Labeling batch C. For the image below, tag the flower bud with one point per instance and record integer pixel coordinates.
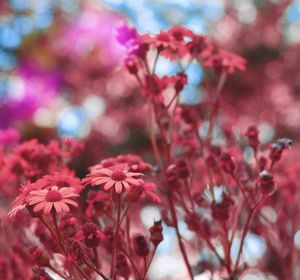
(141, 247)
(92, 236)
(228, 163)
(172, 176)
(181, 81)
(68, 226)
(182, 169)
(221, 210)
(275, 152)
(40, 257)
(156, 233)
(188, 115)
(193, 221)
(262, 163)
(135, 193)
(198, 198)
(252, 136)
(266, 183)
(285, 143)
(131, 66)
(278, 147)
(73, 249)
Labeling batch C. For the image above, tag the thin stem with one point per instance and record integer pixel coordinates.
(56, 226)
(115, 239)
(241, 189)
(48, 227)
(187, 188)
(95, 251)
(227, 248)
(128, 234)
(212, 247)
(181, 245)
(124, 215)
(172, 100)
(136, 271)
(149, 263)
(145, 263)
(214, 105)
(90, 265)
(245, 231)
(153, 139)
(180, 197)
(81, 271)
(155, 62)
(56, 237)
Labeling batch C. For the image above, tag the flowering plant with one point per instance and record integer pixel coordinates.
(83, 228)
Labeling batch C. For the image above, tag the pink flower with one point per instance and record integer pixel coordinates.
(226, 61)
(143, 190)
(60, 180)
(116, 179)
(53, 198)
(20, 201)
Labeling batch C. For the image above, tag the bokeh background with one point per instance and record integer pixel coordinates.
(62, 74)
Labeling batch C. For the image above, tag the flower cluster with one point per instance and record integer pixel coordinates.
(222, 183)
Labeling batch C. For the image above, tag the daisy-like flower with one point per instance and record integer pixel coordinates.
(145, 189)
(53, 198)
(226, 61)
(20, 201)
(111, 178)
(61, 180)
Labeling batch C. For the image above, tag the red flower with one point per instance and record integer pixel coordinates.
(53, 198)
(227, 62)
(252, 135)
(143, 190)
(116, 179)
(61, 181)
(266, 183)
(20, 201)
(199, 47)
(178, 33)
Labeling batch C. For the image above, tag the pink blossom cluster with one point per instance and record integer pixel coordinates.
(82, 228)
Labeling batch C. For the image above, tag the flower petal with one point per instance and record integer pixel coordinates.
(69, 201)
(35, 199)
(133, 181)
(105, 171)
(39, 207)
(65, 207)
(118, 187)
(57, 206)
(108, 185)
(101, 181)
(133, 174)
(126, 185)
(48, 208)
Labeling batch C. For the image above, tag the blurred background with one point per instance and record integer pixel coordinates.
(62, 74)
